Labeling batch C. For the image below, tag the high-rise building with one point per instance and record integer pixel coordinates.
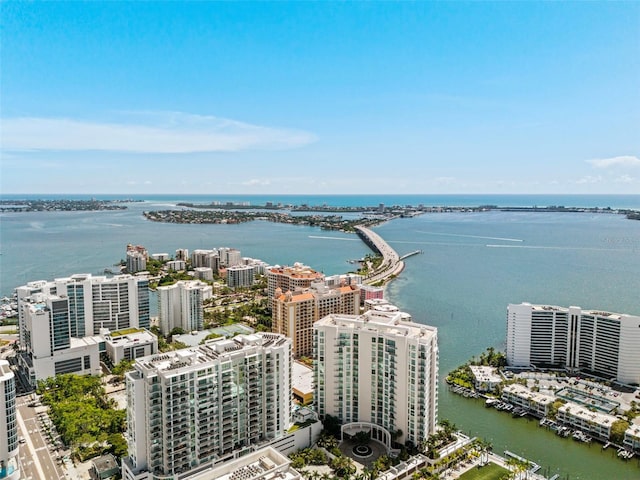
(136, 261)
(49, 348)
(182, 254)
(229, 257)
(369, 292)
(206, 258)
(595, 342)
(181, 305)
(240, 276)
(378, 368)
(290, 278)
(9, 468)
(59, 318)
(294, 313)
(198, 406)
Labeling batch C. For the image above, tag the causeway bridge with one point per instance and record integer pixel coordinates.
(391, 264)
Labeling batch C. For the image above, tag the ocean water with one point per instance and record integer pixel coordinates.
(472, 266)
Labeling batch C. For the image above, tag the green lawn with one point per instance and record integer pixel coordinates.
(490, 471)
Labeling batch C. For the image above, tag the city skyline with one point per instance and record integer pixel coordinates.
(324, 98)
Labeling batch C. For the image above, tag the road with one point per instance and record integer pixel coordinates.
(391, 264)
(37, 456)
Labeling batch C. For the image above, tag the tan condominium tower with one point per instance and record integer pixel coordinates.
(294, 313)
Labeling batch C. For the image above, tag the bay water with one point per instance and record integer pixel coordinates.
(472, 266)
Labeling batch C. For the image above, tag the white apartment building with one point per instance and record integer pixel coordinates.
(239, 276)
(205, 258)
(191, 408)
(632, 437)
(182, 254)
(259, 266)
(343, 279)
(130, 344)
(9, 467)
(229, 257)
(98, 302)
(181, 305)
(25, 291)
(380, 369)
(49, 348)
(162, 257)
(177, 265)
(593, 423)
(136, 261)
(485, 378)
(600, 343)
(535, 402)
(290, 278)
(294, 313)
(204, 273)
(58, 320)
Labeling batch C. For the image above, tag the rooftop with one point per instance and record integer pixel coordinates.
(583, 413)
(263, 464)
(301, 377)
(523, 392)
(395, 323)
(211, 351)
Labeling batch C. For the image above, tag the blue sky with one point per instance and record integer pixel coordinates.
(320, 97)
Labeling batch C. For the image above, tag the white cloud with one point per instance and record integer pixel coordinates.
(163, 132)
(256, 182)
(445, 180)
(588, 179)
(621, 161)
(625, 179)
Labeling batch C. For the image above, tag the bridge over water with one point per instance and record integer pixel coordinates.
(391, 264)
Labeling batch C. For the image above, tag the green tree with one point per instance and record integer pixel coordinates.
(618, 428)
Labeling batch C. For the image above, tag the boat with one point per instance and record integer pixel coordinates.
(490, 401)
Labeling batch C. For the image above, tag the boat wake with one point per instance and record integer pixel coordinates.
(471, 236)
(335, 238)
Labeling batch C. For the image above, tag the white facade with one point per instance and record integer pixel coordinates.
(344, 279)
(58, 319)
(97, 302)
(9, 468)
(182, 254)
(596, 342)
(485, 378)
(177, 265)
(181, 305)
(129, 345)
(205, 258)
(204, 273)
(198, 405)
(535, 402)
(240, 276)
(229, 257)
(379, 368)
(49, 348)
(593, 423)
(632, 437)
(290, 278)
(136, 262)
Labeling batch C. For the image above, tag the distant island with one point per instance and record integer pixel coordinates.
(60, 205)
(325, 222)
(230, 212)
